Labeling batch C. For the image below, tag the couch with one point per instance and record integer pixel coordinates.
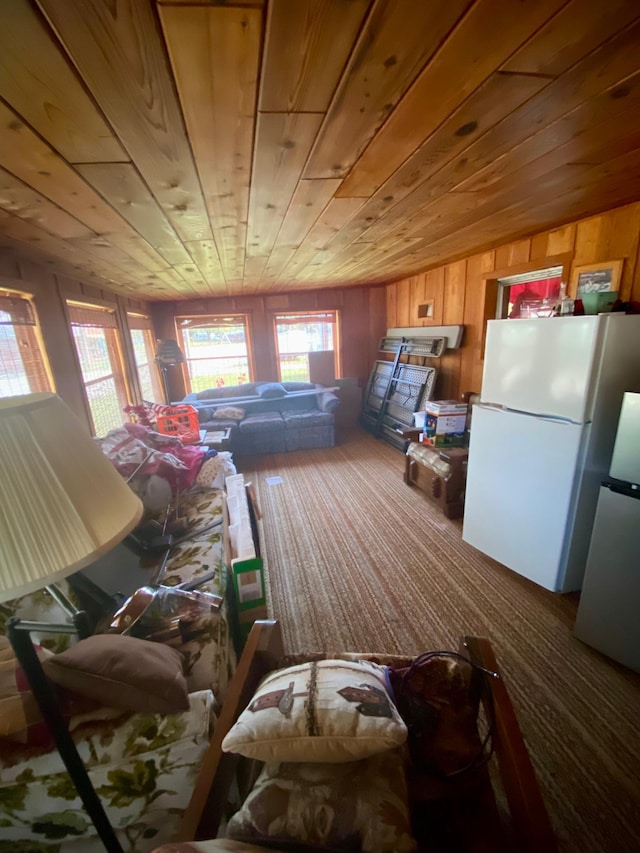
(269, 417)
(143, 765)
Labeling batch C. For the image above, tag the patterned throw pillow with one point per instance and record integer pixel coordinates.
(227, 413)
(357, 805)
(323, 711)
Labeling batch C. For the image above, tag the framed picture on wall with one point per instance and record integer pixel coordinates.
(596, 278)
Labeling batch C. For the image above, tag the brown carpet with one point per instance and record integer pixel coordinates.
(359, 561)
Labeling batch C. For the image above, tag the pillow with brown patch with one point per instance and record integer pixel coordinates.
(354, 805)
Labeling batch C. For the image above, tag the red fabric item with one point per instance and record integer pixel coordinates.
(131, 444)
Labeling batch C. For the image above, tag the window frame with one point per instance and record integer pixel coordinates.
(28, 336)
(216, 320)
(532, 277)
(138, 322)
(295, 318)
(113, 341)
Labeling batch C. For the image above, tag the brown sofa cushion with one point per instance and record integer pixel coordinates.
(123, 672)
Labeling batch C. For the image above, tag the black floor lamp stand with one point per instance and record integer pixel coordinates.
(165, 384)
(18, 633)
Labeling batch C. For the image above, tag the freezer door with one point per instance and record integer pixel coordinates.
(522, 478)
(542, 366)
(625, 462)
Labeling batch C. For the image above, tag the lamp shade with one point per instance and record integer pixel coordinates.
(168, 353)
(62, 502)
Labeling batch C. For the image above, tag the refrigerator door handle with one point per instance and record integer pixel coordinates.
(495, 407)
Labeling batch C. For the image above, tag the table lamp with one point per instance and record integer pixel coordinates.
(62, 505)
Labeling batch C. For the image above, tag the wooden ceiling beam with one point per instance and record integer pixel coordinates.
(385, 61)
(308, 44)
(486, 36)
(217, 81)
(118, 51)
(40, 84)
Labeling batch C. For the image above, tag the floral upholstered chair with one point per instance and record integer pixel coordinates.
(142, 765)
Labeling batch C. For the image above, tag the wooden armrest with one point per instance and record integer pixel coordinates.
(203, 814)
(530, 820)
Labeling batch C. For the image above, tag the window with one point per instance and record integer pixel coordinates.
(96, 338)
(144, 348)
(299, 334)
(216, 351)
(531, 294)
(23, 368)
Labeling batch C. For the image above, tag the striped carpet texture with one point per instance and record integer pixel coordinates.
(359, 561)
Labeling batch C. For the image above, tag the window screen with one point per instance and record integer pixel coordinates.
(23, 368)
(144, 348)
(299, 334)
(96, 339)
(216, 350)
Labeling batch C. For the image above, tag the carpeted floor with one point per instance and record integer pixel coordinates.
(359, 561)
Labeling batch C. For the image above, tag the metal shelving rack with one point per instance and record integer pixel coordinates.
(396, 389)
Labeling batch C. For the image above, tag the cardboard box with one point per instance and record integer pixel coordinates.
(246, 584)
(444, 423)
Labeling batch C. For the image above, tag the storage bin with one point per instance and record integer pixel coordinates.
(180, 422)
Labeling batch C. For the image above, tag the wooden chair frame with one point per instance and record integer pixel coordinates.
(529, 822)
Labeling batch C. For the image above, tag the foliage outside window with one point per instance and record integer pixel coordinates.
(144, 347)
(216, 350)
(299, 334)
(95, 335)
(23, 367)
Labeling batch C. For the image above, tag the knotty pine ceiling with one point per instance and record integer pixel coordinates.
(167, 150)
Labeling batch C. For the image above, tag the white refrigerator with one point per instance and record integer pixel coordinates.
(541, 439)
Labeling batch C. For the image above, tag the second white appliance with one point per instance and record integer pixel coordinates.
(608, 613)
(541, 439)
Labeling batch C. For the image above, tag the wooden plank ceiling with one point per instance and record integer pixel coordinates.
(198, 147)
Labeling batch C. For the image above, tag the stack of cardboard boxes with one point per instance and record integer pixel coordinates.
(444, 423)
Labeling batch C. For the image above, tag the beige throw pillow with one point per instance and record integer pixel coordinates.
(324, 711)
(228, 413)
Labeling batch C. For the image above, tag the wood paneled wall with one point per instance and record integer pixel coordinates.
(362, 317)
(462, 291)
(49, 292)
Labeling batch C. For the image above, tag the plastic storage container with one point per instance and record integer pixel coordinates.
(180, 422)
